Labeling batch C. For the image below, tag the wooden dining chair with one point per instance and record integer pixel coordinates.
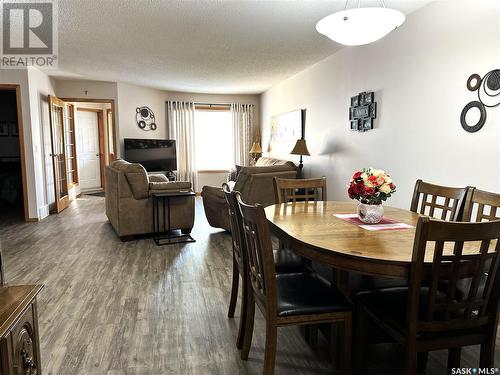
(424, 317)
(285, 261)
(481, 206)
(286, 299)
(440, 202)
(291, 190)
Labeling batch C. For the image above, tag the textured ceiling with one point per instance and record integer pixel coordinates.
(199, 46)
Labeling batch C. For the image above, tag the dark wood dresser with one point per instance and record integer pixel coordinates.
(19, 343)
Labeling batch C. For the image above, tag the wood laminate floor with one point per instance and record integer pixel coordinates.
(113, 308)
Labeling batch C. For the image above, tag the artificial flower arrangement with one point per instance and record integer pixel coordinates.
(371, 186)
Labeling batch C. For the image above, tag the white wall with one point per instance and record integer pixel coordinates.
(129, 98)
(418, 74)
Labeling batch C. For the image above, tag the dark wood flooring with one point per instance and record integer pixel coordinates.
(113, 308)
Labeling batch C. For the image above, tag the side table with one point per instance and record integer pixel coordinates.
(167, 235)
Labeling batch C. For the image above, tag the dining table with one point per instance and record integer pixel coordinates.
(313, 230)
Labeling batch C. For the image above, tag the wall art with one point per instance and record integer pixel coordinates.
(488, 95)
(362, 112)
(145, 118)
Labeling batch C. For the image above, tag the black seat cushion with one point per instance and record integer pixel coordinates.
(286, 261)
(390, 304)
(307, 293)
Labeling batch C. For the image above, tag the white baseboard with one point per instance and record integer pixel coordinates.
(43, 212)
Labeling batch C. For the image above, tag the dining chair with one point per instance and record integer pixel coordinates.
(482, 206)
(286, 299)
(285, 261)
(423, 317)
(285, 189)
(440, 202)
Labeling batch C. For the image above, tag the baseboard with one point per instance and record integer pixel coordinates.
(43, 211)
(32, 220)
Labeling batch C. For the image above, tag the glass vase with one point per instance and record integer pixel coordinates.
(370, 213)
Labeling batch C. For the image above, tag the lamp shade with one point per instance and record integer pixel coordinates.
(256, 149)
(300, 148)
(358, 26)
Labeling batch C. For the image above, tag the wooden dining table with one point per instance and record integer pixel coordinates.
(312, 230)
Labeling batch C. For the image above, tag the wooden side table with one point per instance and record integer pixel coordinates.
(166, 236)
(19, 340)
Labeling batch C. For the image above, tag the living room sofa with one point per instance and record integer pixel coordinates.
(129, 201)
(254, 183)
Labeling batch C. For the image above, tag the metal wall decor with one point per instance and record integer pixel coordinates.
(362, 112)
(145, 118)
(488, 94)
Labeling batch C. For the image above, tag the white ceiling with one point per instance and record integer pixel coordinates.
(199, 46)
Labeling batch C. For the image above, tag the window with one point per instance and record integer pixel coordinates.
(213, 139)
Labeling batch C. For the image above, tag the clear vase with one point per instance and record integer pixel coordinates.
(370, 213)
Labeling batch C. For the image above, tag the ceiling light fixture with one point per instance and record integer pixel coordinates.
(358, 26)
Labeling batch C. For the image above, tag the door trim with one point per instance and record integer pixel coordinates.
(103, 101)
(100, 129)
(17, 89)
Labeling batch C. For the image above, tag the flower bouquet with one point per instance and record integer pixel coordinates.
(371, 187)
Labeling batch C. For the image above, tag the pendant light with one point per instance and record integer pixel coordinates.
(358, 26)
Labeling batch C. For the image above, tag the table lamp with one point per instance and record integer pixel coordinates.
(300, 149)
(255, 150)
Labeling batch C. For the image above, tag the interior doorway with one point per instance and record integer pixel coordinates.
(83, 142)
(13, 193)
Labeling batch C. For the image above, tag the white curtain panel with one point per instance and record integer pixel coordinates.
(243, 130)
(180, 118)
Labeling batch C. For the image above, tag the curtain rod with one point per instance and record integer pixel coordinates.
(213, 104)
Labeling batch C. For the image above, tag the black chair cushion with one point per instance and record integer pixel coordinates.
(390, 304)
(286, 261)
(307, 293)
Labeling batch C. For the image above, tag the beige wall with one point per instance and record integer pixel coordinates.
(418, 74)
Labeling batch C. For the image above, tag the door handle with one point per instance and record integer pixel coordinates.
(97, 155)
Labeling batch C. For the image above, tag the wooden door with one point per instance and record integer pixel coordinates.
(111, 135)
(57, 132)
(89, 149)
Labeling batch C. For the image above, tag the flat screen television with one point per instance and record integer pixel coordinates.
(153, 154)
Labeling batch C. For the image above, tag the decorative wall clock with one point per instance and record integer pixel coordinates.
(488, 94)
(145, 118)
(362, 112)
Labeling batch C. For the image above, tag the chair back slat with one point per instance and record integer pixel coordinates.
(285, 190)
(235, 225)
(482, 206)
(438, 201)
(259, 254)
(461, 252)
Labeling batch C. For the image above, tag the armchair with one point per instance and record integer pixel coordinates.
(129, 202)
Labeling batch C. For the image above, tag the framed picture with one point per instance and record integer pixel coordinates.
(373, 110)
(4, 129)
(355, 125)
(14, 129)
(355, 101)
(367, 124)
(368, 97)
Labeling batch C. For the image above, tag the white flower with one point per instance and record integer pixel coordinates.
(364, 176)
(377, 172)
(385, 188)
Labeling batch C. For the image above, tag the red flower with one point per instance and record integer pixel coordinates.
(369, 191)
(351, 193)
(373, 180)
(392, 186)
(356, 175)
(359, 188)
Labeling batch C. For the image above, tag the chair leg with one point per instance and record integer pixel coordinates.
(248, 333)
(234, 290)
(422, 358)
(453, 358)
(359, 339)
(411, 358)
(270, 351)
(487, 356)
(346, 332)
(244, 312)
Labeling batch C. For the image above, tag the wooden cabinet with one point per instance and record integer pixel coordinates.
(19, 341)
